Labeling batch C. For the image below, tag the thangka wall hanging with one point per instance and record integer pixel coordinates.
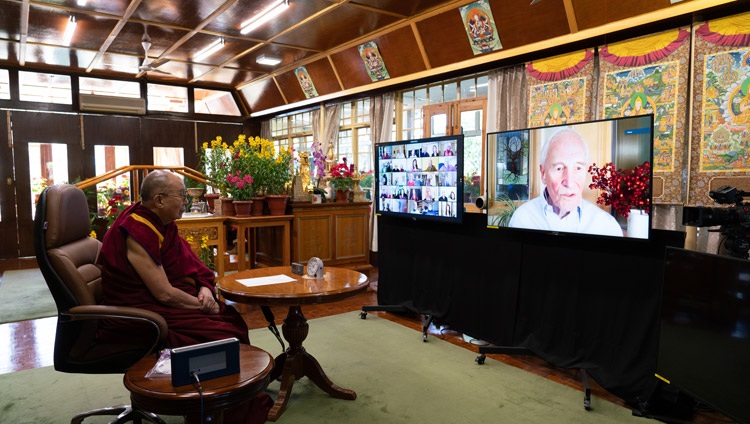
(480, 27)
(559, 89)
(721, 117)
(306, 82)
(648, 75)
(373, 61)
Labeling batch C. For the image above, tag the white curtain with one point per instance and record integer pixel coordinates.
(382, 109)
(331, 131)
(265, 129)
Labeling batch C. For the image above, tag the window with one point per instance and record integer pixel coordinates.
(354, 135)
(167, 98)
(215, 102)
(4, 84)
(295, 131)
(106, 87)
(44, 88)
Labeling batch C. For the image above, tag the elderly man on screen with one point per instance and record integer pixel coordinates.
(561, 207)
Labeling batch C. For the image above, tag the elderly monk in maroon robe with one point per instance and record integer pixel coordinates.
(146, 264)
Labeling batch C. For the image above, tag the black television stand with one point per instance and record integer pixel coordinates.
(429, 319)
(509, 350)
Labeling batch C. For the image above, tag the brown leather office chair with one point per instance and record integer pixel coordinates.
(67, 258)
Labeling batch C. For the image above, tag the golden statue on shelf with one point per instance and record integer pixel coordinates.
(302, 180)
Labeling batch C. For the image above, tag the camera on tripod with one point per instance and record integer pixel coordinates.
(734, 221)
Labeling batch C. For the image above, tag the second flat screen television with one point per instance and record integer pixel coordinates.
(421, 179)
(535, 187)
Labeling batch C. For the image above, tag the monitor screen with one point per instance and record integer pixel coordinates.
(704, 341)
(421, 179)
(540, 178)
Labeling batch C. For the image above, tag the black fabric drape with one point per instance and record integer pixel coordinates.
(576, 301)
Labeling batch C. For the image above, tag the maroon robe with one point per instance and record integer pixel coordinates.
(122, 286)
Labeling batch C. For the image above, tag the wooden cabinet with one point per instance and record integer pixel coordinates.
(337, 233)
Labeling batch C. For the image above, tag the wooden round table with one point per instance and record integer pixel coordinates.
(159, 396)
(295, 362)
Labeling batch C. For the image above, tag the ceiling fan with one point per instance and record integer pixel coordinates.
(147, 66)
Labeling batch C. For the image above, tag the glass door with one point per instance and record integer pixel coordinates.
(465, 117)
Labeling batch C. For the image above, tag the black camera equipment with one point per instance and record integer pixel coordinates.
(734, 221)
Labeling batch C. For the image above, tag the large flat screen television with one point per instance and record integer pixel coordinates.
(539, 178)
(704, 340)
(420, 179)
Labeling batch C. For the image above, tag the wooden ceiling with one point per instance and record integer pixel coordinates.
(416, 38)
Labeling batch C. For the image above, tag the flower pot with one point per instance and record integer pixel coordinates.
(242, 207)
(342, 196)
(257, 208)
(637, 224)
(211, 201)
(227, 207)
(277, 203)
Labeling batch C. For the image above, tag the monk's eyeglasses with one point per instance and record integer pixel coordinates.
(183, 196)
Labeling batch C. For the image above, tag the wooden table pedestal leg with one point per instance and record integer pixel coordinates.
(296, 363)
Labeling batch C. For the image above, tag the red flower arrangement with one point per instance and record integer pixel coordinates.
(342, 176)
(622, 189)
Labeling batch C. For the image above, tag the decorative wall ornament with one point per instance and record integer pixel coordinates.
(480, 27)
(649, 75)
(373, 61)
(560, 89)
(720, 152)
(306, 82)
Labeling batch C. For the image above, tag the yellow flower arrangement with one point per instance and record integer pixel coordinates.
(257, 156)
(215, 160)
(204, 252)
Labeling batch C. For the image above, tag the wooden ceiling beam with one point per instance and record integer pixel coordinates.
(570, 14)
(114, 33)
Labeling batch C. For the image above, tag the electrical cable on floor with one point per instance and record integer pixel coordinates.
(200, 391)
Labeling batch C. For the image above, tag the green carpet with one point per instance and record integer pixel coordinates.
(25, 295)
(397, 377)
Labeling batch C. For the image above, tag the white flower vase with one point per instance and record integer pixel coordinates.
(637, 224)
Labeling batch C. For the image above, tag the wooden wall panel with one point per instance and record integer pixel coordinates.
(444, 39)
(263, 95)
(400, 52)
(290, 87)
(350, 68)
(518, 25)
(322, 75)
(592, 13)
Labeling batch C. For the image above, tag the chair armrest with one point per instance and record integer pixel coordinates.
(83, 312)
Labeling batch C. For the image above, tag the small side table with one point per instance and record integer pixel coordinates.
(159, 396)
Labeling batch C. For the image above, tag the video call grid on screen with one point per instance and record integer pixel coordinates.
(515, 155)
(421, 178)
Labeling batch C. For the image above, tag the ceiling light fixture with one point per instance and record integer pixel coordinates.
(212, 48)
(70, 29)
(266, 15)
(267, 60)
(533, 2)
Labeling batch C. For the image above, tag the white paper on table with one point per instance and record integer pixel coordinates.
(264, 281)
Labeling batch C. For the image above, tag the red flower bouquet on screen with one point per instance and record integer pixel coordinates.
(624, 190)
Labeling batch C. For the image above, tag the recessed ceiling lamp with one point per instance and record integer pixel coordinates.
(212, 48)
(70, 29)
(267, 60)
(266, 15)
